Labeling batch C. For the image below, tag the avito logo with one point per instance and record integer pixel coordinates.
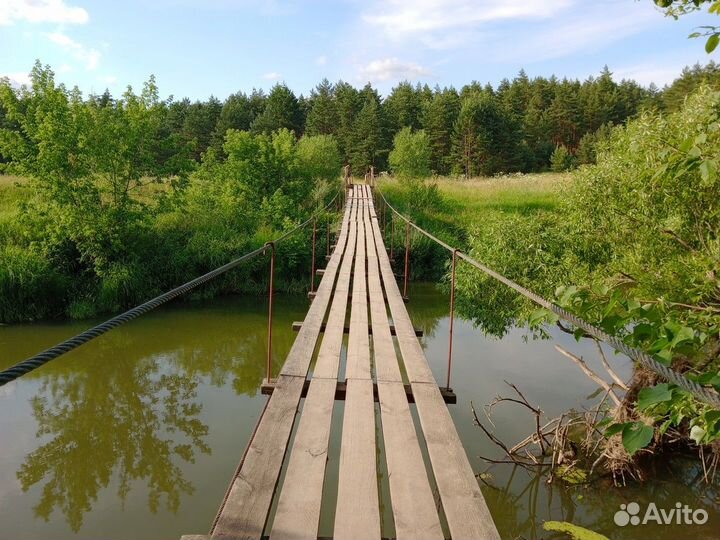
(629, 514)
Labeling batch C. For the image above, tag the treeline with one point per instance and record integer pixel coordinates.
(477, 129)
(131, 195)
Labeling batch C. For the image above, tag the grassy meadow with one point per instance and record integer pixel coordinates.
(452, 207)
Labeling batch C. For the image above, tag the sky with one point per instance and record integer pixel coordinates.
(198, 48)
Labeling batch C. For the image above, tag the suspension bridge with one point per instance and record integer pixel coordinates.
(277, 489)
(358, 279)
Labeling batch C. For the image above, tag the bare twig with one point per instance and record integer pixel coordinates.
(607, 367)
(591, 374)
(490, 436)
(531, 438)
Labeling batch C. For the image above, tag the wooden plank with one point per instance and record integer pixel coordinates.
(358, 355)
(415, 363)
(357, 514)
(413, 505)
(244, 512)
(386, 363)
(296, 325)
(298, 510)
(341, 391)
(328, 359)
(464, 505)
(298, 359)
(465, 508)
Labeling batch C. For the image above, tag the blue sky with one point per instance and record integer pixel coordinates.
(198, 48)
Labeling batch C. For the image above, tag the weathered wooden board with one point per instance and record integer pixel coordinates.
(245, 510)
(463, 503)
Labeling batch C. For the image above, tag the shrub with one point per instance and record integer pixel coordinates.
(30, 288)
(410, 156)
(561, 159)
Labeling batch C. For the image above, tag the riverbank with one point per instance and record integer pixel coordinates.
(173, 234)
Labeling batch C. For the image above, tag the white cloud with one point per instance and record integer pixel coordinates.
(660, 73)
(647, 74)
(108, 79)
(17, 79)
(88, 56)
(412, 16)
(41, 11)
(271, 76)
(389, 69)
(321, 60)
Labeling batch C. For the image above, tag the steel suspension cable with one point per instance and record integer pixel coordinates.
(704, 394)
(40, 359)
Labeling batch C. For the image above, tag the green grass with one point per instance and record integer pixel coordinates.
(465, 202)
(11, 195)
(524, 194)
(456, 209)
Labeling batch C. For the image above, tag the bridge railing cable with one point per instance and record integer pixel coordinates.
(707, 395)
(40, 359)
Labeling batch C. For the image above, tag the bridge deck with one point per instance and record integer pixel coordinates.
(359, 277)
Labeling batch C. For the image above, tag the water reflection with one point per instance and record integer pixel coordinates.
(114, 416)
(123, 412)
(525, 500)
(135, 435)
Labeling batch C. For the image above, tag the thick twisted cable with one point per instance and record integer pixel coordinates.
(40, 359)
(705, 394)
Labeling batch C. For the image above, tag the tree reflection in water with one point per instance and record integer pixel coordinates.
(124, 410)
(126, 419)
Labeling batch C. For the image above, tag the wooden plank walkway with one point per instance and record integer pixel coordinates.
(358, 276)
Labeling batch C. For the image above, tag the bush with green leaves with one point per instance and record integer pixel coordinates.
(114, 213)
(319, 157)
(410, 156)
(561, 159)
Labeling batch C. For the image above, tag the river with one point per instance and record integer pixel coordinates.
(136, 434)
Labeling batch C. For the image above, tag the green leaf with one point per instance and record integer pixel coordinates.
(710, 377)
(708, 170)
(711, 419)
(614, 429)
(576, 532)
(711, 43)
(664, 357)
(653, 395)
(538, 316)
(636, 435)
(568, 293)
(685, 333)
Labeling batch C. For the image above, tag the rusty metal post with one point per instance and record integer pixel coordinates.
(452, 316)
(392, 234)
(312, 270)
(384, 221)
(407, 257)
(270, 310)
(327, 237)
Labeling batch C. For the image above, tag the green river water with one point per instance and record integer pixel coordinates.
(136, 434)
